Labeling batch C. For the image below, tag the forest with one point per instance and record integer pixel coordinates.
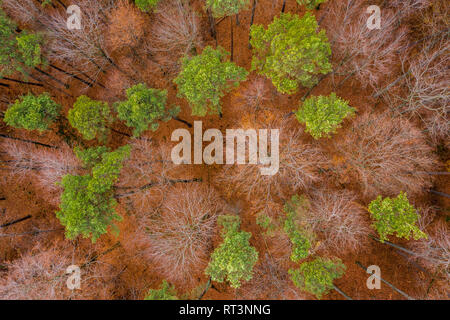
(93, 92)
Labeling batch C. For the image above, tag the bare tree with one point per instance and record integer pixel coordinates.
(428, 92)
(256, 94)
(149, 172)
(409, 7)
(46, 166)
(338, 221)
(270, 281)
(84, 48)
(178, 234)
(384, 156)
(175, 32)
(370, 55)
(299, 164)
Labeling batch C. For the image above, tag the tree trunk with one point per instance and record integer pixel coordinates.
(341, 292)
(15, 221)
(232, 38)
(284, 6)
(65, 85)
(71, 75)
(29, 141)
(24, 82)
(183, 121)
(212, 25)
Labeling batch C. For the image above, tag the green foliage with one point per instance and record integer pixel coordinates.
(235, 258)
(317, 276)
(323, 114)
(291, 51)
(87, 203)
(267, 224)
(32, 112)
(297, 232)
(90, 118)
(395, 216)
(146, 5)
(17, 53)
(144, 107)
(165, 292)
(310, 4)
(223, 8)
(205, 78)
(29, 48)
(92, 156)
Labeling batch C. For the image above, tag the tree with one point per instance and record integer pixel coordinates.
(29, 48)
(175, 32)
(85, 48)
(337, 220)
(144, 107)
(205, 78)
(369, 55)
(395, 216)
(323, 114)
(224, 8)
(311, 4)
(383, 155)
(179, 232)
(234, 259)
(90, 118)
(146, 5)
(165, 292)
(317, 276)
(291, 52)
(87, 203)
(299, 163)
(33, 112)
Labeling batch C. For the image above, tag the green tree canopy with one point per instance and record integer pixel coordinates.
(310, 4)
(395, 216)
(144, 107)
(33, 112)
(204, 80)
(223, 8)
(291, 52)
(165, 292)
(235, 258)
(90, 118)
(323, 115)
(87, 202)
(146, 5)
(317, 276)
(18, 51)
